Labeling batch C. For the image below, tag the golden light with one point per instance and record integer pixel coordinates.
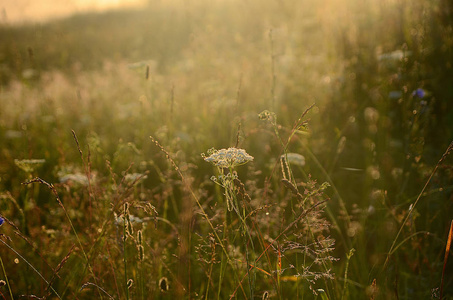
(20, 11)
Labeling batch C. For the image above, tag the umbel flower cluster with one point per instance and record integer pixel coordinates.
(228, 158)
(225, 160)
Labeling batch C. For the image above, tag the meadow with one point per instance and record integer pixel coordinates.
(252, 149)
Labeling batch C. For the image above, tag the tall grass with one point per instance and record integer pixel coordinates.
(349, 198)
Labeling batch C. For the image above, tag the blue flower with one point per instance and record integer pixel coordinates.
(2, 221)
(420, 93)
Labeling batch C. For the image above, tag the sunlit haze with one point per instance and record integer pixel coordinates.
(19, 11)
(226, 149)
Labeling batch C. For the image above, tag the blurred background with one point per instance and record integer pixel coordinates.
(195, 75)
(20, 11)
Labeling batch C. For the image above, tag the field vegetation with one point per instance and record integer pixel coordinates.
(257, 149)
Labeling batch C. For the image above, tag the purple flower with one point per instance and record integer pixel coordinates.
(420, 93)
(2, 221)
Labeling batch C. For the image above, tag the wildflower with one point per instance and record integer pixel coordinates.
(228, 158)
(132, 219)
(2, 221)
(267, 115)
(419, 93)
(395, 94)
(295, 159)
(77, 178)
(135, 178)
(29, 165)
(394, 56)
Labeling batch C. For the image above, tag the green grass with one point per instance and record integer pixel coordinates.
(349, 198)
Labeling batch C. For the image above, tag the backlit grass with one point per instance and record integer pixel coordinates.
(228, 149)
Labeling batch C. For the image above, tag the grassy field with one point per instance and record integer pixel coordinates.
(335, 179)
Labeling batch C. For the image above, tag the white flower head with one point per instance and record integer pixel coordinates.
(228, 158)
(294, 159)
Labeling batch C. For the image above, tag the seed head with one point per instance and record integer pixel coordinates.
(164, 284)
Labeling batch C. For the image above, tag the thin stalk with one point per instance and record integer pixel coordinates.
(31, 266)
(202, 210)
(345, 286)
(230, 192)
(412, 206)
(247, 233)
(209, 276)
(340, 199)
(274, 77)
(223, 264)
(6, 278)
(302, 215)
(54, 191)
(124, 256)
(142, 283)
